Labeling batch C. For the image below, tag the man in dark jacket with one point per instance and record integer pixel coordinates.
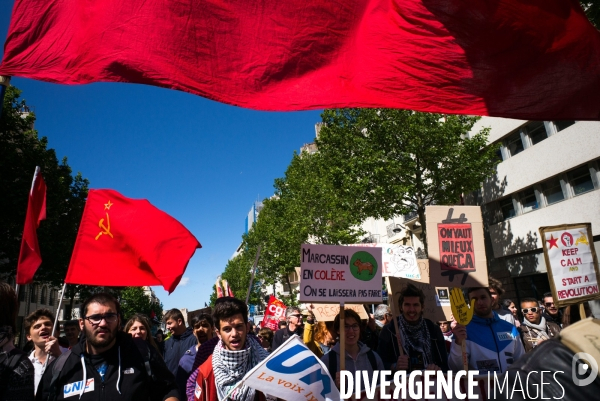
(535, 328)
(422, 340)
(551, 312)
(295, 325)
(107, 363)
(181, 339)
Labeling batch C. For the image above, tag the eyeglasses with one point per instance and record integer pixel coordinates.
(96, 319)
(549, 304)
(297, 316)
(526, 310)
(354, 327)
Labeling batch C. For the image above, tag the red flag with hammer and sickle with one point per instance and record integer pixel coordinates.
(129, 242)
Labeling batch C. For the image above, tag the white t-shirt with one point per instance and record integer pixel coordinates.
(39, 367)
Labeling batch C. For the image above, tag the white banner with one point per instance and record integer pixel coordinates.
(571, 262)
(397, 260)
(293, 373)
(333, 273)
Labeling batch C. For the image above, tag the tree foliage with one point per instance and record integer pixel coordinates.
(592, 11)
(386, 162)
(21, 150)
(305, 208)
(133, 300)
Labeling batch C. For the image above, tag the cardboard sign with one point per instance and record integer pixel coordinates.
(192, 314)
(398, 260)
(334, 273)
(571, 262)
(328, 312)
(273, 313)
(292, 372)
(456, 246)
(437, 301)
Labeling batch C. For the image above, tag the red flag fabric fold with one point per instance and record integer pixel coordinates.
(129, 242)
(30, 257)
(535, 59)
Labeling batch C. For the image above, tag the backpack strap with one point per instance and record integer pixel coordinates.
(372, 359)
(57, 368)
(144, 351)
(332, 363)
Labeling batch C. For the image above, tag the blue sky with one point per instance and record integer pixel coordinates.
(202, 162)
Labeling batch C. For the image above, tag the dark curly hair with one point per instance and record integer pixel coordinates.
(226, 307)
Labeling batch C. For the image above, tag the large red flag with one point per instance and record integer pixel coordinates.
(129, 242)
(534, 59)
(30, 257)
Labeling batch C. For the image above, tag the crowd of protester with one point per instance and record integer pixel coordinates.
(207, 358)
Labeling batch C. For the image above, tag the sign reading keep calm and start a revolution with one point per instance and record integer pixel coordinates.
(331, 273)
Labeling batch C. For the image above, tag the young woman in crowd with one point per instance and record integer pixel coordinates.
(139, 327)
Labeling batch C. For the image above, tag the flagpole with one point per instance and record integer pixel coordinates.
(4, 82)
(392, 305)
(342, 338)
(62, 294)
(252, 277)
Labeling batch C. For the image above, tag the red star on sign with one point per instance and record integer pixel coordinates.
(552, 241)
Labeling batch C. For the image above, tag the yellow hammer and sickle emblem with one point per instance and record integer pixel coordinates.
(103, 227)
(582, 239)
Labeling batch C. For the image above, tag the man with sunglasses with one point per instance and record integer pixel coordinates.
(295, 326)
(535, 328)
(551, 312)
(107, 363)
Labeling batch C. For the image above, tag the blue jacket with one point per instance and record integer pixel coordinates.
(492, 345)
(176, 346)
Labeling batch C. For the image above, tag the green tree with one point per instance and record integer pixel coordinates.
(592, 11)
(386, 162)
(21, 150)
(133, 300)
(305, 208)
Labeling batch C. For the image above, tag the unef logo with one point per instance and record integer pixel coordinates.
(363, 266)
(566, 239)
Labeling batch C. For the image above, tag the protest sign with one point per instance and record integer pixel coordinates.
(273, 313)
(190, 315)
(397, 260)
(328, 312)
(292, 372)
(456, 246)
(437, 301)
(331, 273)
(571, 262)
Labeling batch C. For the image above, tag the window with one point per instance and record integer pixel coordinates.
(499, 153)
(536, 131)
(514, 144)
(581, 180)
(44, 295)
(33, 294)
(561, 125)
(508, 209)
(553, 191)
(528, 200)
(22, 293)
(51, 298)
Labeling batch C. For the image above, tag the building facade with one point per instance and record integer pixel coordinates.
(547, 175)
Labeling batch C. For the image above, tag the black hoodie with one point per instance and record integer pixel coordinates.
(125, 377)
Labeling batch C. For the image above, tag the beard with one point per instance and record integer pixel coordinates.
(99, 342)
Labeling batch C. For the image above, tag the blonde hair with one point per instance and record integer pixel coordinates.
(321, 331)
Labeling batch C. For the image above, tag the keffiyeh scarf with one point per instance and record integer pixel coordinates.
(230, 367)
(540, 331)
(417, 338)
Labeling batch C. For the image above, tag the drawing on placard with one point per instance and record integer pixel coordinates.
(403, 262)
